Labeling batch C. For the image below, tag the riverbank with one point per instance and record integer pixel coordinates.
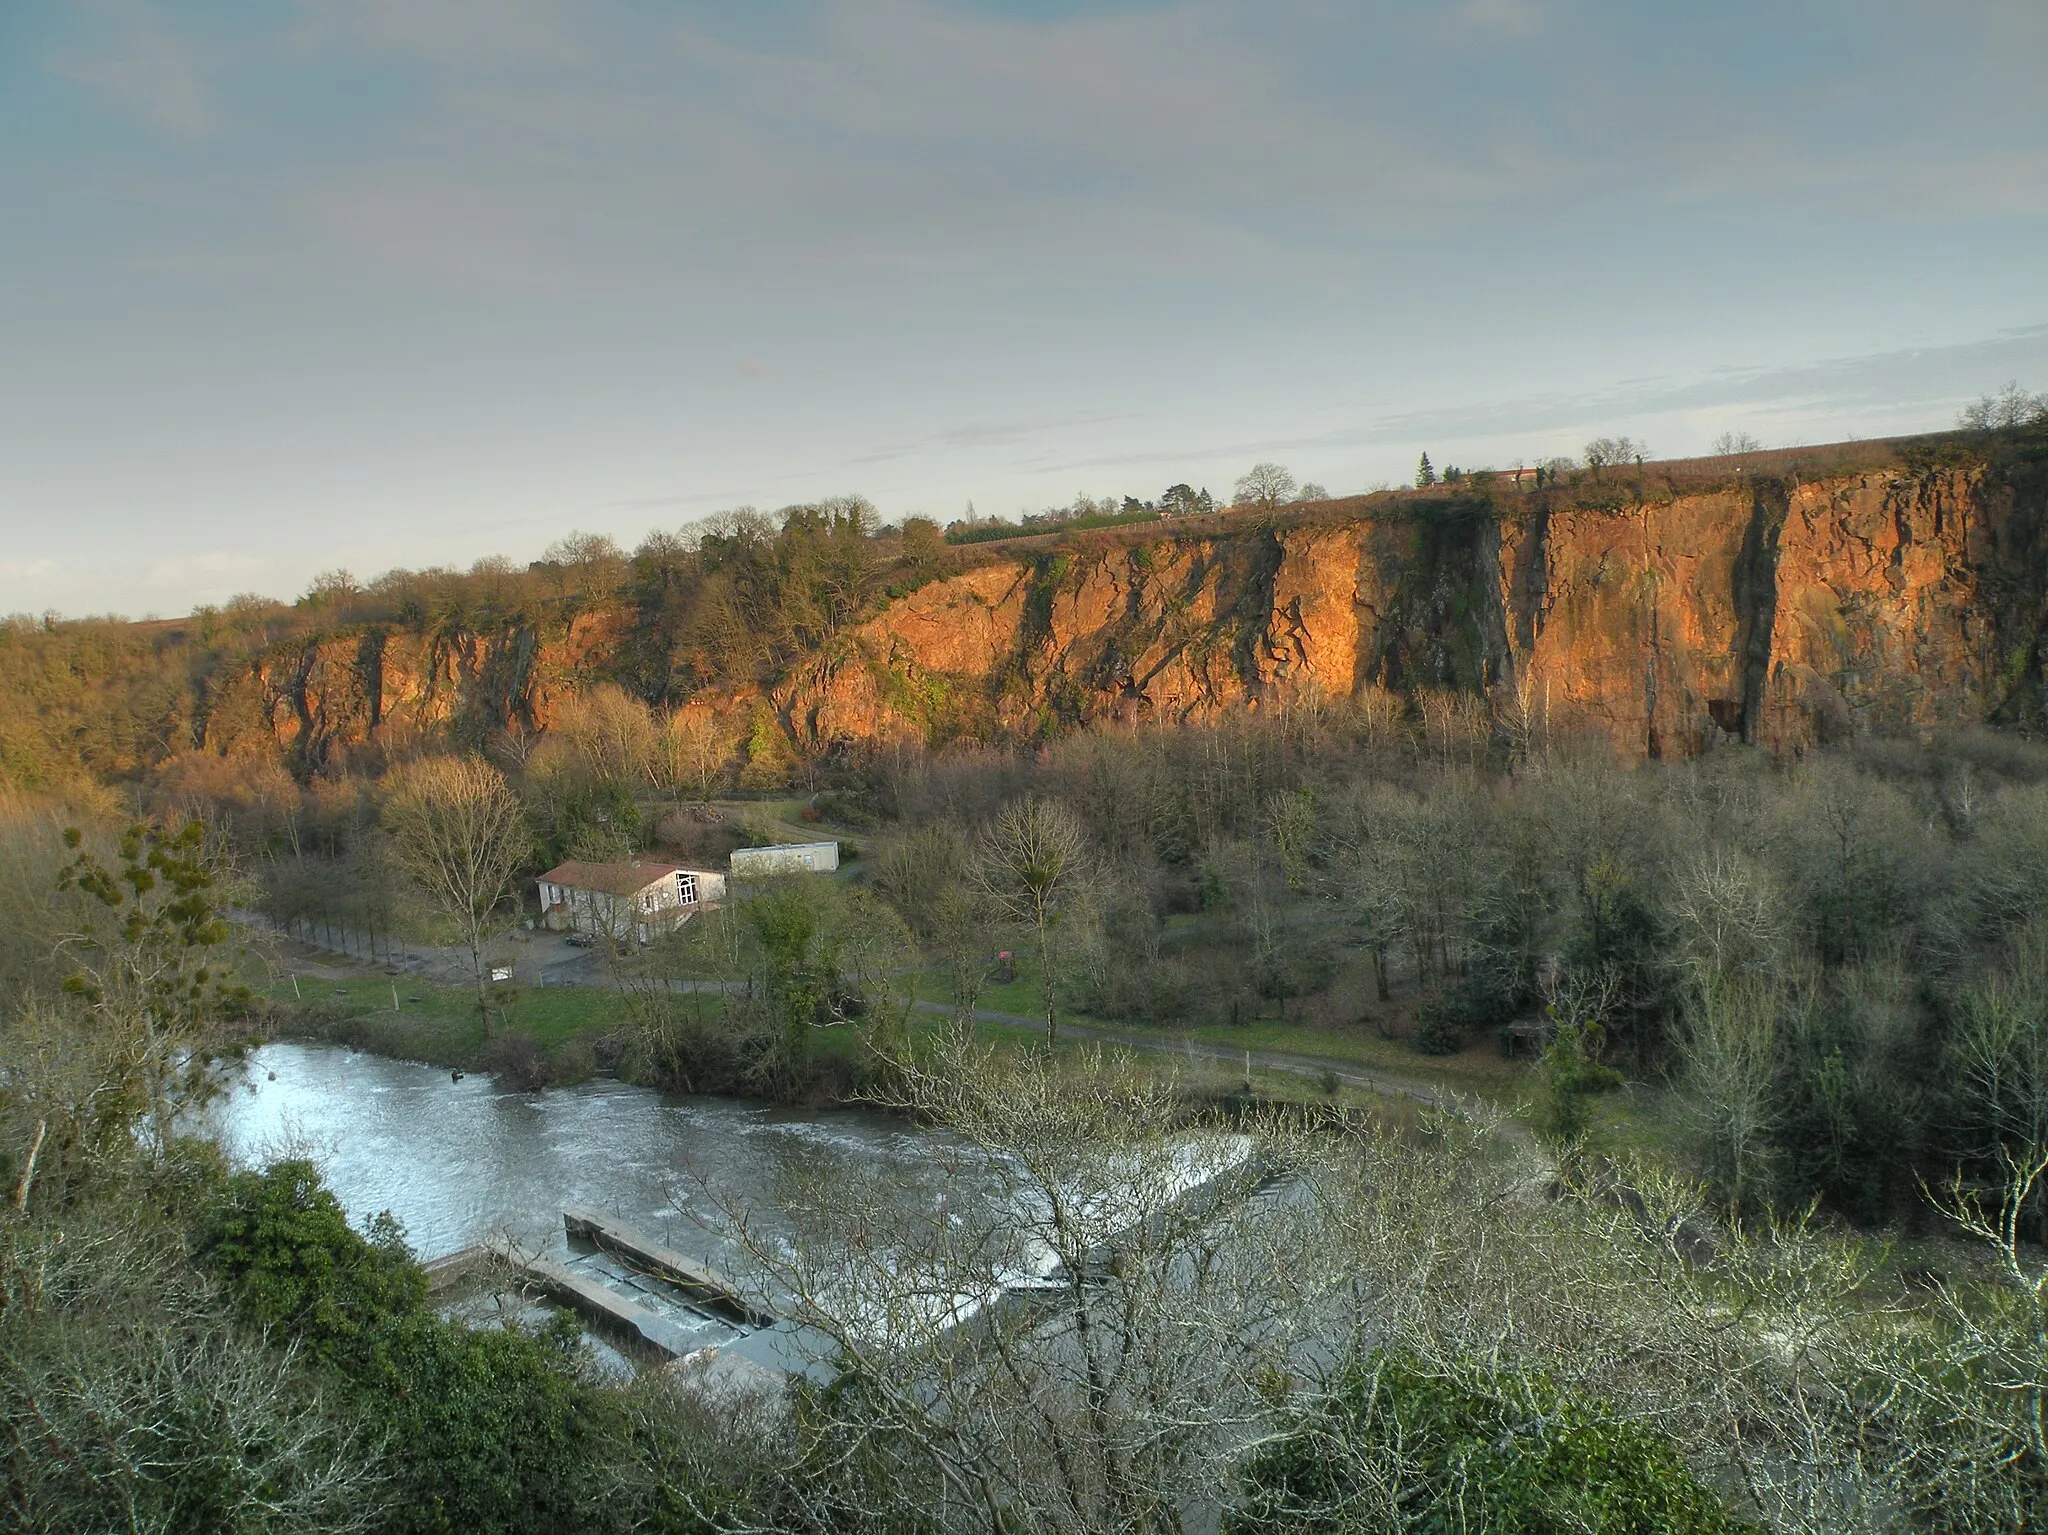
(554, 1036)
(541, 1036)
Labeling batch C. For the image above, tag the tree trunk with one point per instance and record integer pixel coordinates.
(1052, 1028)
(476, 965)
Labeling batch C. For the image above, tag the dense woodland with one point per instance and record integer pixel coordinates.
(1752, 1239)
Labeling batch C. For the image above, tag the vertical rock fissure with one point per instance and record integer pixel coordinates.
(1446, 625)
(1254, 608)
(1489, 612)
(305, 755)
(1531, 581)
(1756, 597)
(370, 669)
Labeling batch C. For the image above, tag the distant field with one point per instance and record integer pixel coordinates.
(1478, 1069)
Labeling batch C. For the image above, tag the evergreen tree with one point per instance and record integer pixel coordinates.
(1425, 473)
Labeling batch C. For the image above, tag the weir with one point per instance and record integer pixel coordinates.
(697, 1279)
(598, 1303)
(446, 1270)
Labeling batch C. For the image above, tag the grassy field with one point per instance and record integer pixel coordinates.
(439, 1023)
(1478, 1069)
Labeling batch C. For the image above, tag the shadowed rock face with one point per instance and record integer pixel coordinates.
(1776, 612)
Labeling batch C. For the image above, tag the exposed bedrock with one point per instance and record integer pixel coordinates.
(1777, 612)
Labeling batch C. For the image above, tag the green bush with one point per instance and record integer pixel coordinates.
(1445, 1017)
(1440, 1020)
(284, 1246)
(1567, 1078)
(491, 1429)
(486, 1429)
(1495, 1454)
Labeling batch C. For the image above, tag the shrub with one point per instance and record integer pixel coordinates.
(1499, 1453)
(491, 1429)
(516, 1060)
(488, 1429)
(283, 1245)
(1567, 1077)
(1298, 966)
(1443, 1018)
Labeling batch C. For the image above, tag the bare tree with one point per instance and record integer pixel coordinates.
(1033, 867)
(1053, 1334)
(1265, 485)
(1603, 451)
(1728, 919)
(588, 564)
(693, 752)
(1730, 443)
(1070, 1332)
(612, 731)
(2011, 407)
(1729, 1051)
(151, 1409)
(459, 832)
(2003, 1342)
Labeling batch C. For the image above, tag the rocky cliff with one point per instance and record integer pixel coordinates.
(1776, 612)
(1775, 608)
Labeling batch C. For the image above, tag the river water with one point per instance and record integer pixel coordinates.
(459, 1161)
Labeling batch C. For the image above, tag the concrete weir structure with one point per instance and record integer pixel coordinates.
(696, 1279)
(599, 1302)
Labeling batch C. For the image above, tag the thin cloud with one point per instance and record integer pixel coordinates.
(145, 68)
(988, 434)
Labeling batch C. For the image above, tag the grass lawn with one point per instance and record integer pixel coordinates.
(1477, 1069)
(1021, 996)
(439, 1023)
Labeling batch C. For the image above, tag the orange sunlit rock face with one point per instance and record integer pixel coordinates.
(1781, 613)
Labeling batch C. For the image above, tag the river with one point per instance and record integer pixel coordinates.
(462, 1160)
(459, 1161)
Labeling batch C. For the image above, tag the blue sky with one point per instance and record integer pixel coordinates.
(300, 284)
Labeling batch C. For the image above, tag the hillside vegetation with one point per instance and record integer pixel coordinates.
(1693, 815)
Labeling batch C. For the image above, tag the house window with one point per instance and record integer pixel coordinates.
(686, 888)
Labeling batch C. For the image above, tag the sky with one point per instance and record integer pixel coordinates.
(295, 285)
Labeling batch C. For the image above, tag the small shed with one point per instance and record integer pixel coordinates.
(753, 863)
(625, 900)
